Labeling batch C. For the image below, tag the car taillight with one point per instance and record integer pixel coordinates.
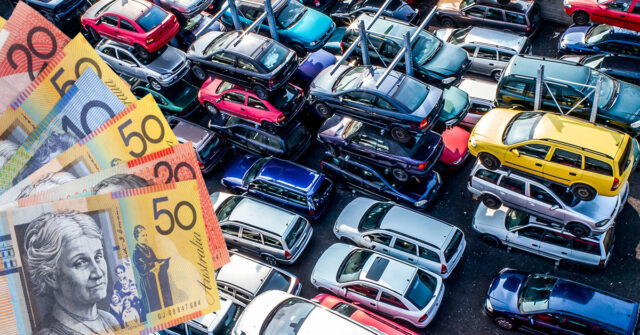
(149, 40)
(312, 212)
(317, 3)
(281, 118)
(443, 270)
(201, 165)
(287, 255)
(422, 166)
(422, 318)
(616, 184)
(601, 262)
(271, 82)
(528, 28)
(342, 47)
(424, 123)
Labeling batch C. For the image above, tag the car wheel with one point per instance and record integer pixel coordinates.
(580, 18)
(504, 323)
(211, 108)
(400, 174)
(570, 265)
(400, 134)
(491, 240)
(583, 192)
(299, 49)
(270, 260)
(447, 22)
(198, 72)
(323, 110)
(496, 75)
(578, 229)
(261, 92)
(489, 161)
(491, 201)
(155, 84)
(268, 126)
(140, 51)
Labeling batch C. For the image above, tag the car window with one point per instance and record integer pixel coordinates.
(636, 9)
(251, 235)
(352, 265)
(542, 195)
(125, 57)
(223, 58)
(477, 11)
(290, 14)
(558, 239)
(521, 128)
(384, 104)
(391, 300)
(567, 158)
(411, 93)
(586, 246)
(126, 25)
(224, 86)
(536, 293)
(515, 18)
(516, 219)
(486, 53)
(296, 197)
(234, 97)
(272, 242)
(531, 232)
(513, 185)
(380, 238)
(421, 289)
(159, 99)
(296, 232)
(109, 51)
(405, 246)
(389, 49)
(495, 14)
(230, 229)
(251, 13)
(428, 254)
(363, 290)
(243, 64)
(255, 103)
(619, 5)
(515, 86)
(374, 215)
(534, 150)
(179, 328)
(470, 49)
(344, 309)
(487, 175)
(361, 98)
(597, 166)
(504, 56)
(110, 20)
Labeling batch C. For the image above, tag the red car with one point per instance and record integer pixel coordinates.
(456, 148)
(620, 13)
(217, 95)
(141, 24)
(361, 315)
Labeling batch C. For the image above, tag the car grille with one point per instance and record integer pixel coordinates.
(177, 67)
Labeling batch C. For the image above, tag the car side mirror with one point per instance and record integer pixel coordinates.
(463, 13)
(516, 152)
(367, 239)
(218, 100)
(554, 207)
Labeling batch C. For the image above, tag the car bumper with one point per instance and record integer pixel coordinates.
(163, 38)
(175, 77)
(434, 310)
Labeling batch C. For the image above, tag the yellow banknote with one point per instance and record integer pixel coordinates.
(2, 22)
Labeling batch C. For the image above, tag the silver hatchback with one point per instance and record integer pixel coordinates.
(548, 201)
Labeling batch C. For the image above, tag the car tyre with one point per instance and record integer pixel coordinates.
(155, 84)
(583, 192)
(140, 51)
(400, 174)
(491, 240)
(268, 126)
(299, 50)
(199, 72)
(505, 323)
(323, 110)
(496, 75)
(261, 92)
(580, 18)
(489, 161)
(490, 201)
(400, 134)
(447, 22)
(270, 260)
(211, 108)
(570, 265)
(578, 229)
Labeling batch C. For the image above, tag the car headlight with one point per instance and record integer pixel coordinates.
(314, 43)
(448, 80)
(563, 44)
(566, 4)
(601, 223)
(166, 76)
(457, 161)
(420, 203)
(488, 306)
(472, 141)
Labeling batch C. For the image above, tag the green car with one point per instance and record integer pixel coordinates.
(177, 100)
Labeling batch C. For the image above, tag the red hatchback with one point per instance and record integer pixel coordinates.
(217, 95)
(456, 147)
(141, 24)
(619, 13)
(361, 315)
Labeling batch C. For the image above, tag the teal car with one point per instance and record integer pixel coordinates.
(435, 62)
(177, 100)
(299, 27)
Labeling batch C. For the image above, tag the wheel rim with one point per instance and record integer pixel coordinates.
(496, 75)
(323, 110)
(506, 324)
(579, 231)
(399, 133)
(490, 202)
(155, 85)
(583, 192)
(198, 72)
(400, 174)
(448, 23)
(211, 108)
(488, 162)
(271, 261)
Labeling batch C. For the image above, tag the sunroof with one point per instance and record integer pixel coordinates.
(377, 268)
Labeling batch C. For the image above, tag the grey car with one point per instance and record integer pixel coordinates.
(184, 9)
(161, 68)
(346, 11)
(547, 201)
(490, 50)
(482, 96)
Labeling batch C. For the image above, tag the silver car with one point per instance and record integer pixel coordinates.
(275, 234)
(185, 9)
(403, 291)
(546, 200)
(161, 68)
(513, 228)
(277, 312)
(216, 323)
(397, 231)
(489, 50)
(482, 96)
(244, 278)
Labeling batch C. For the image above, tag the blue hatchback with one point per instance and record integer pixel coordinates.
(553, 305)
(599, 38)
(281, 182)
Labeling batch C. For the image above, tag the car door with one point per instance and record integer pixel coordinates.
(597, 170)
(528, 157)
(378, 241)
(550, 323)
(108, 54)
(404, 250)
(544, 204)
(564, 166)
(633, 19)
(495, 18)
(107, 26)
(473, 15)
(251, 240)
(515, 90)
(230, 233)
(127, 64)
(512, 191)
(615, 12)
(527, 238)
(555, 244)
(233, 103)
(357, 104)
(384, 110)
(160, 101)
(389, 304)
(246, 70)
(255, 109)
(127, 31)
(515, 21)
(223, 65)
(364, 295)
(484, 61)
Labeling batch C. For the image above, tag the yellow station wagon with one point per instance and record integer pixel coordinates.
(587, 158)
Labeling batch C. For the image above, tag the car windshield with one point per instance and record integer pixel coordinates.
(180, 95)
(373, 217)
(151, 18)
(425, 47)
(274, 56)
(350, 79)
(411, 93)
(288, 317)
(253, 170)
(193, 22)
(565, 194)
(290, 14)
(225, 209)
(521, 128)
(215, 45)
(597, 33)
(421, 289)
(453, 245)
(296, 232)
(352, 265)
(225, 325)
(459, 35)
(515, 219)
(275, 281)
(535, 293)
(607, 88)
(352, 129)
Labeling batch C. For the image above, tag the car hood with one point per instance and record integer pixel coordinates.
(197, 48)
(456, 142)
(492, 125)
(448, 61)
(503, 291)
(448, 5)
(574, 35)
(627, 104)
(312, 26)
(237, 169)
(487, 217)
(353, 212)
(444, 33)
(314, 64)
(455, 104)
(601, 207)
(323, 83)
(327, 266)
(168, 61)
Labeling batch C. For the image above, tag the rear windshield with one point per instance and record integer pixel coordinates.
(624, 162)
(225, 325)
(291, 14)
(607, 241)
(421, 289)
(296, 136)
(215, 44)
(521, 128)
(453, 245)
(224, 86)
(411, 93)
(352, 265)
(209, 147)
(151, 18)
(296, 232)
(321, 192)
(284, 97)
(274, 56)
(275, 281)
(288, 317)
(350, 79)
(227, 207)
(373, 216)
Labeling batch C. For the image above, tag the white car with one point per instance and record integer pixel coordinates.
(404, 292)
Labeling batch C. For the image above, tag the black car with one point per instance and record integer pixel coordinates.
(343, 136)
(287, 142)
(57, 11)
(209, 147)
(194, 28)
(623, 67)
(345, 11)
(250, 60)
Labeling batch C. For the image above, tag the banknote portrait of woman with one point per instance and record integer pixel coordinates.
(65, 260)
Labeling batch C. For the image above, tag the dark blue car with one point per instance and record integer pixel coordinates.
(342, 136)
(281, 182)
(210, 148)
(553, 305)
(599, 38)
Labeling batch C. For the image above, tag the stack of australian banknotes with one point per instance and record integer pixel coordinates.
(106, 225)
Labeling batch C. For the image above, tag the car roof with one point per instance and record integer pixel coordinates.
(494, 37)
(513, 5)
(370, 78)
(244, 273)
(248, 45)
(383, 25)
(261, 215)
(617, 33)
(417, 226)
(553, 68)
(590, 303)
(130, 9)
(396, 276)
(479, 89)
(186, 131)
(290, 174)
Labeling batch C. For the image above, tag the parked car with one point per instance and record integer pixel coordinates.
(282, 182)
(517, 229)
(161, 68)
(416, 192)
(288, 142)
(276, 312)
(258, 228)
(490, 50)
(344, 136)
(56, 11)
(345, 11)
(299, 27)
(195, 27)
(140, 24)
(404, 292)
(179, 100)
(219, 322)
(518, 16)
(588, 159)
(618, 102)
(244, 278)
(250, 60)
(399, 232)
(434, 61)
(209, 147)
(622, 67)
(554, 305)
(599, 38)
(182, 9)
(456, 147)
(546, 200)
(311, 66)
(361, 315)
(217, 95)
(621, 13)
(400, 104)
(482, 96)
